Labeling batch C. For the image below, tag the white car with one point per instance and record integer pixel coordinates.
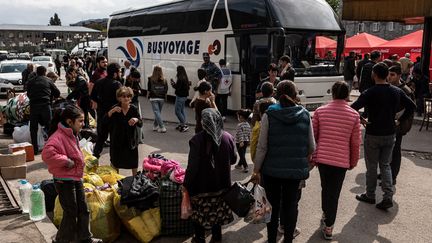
(10, 75)
(45, 61)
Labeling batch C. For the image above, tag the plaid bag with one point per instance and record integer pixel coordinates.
(170, 198)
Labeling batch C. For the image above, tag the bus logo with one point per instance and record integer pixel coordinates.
(132, 51)
(215, 48)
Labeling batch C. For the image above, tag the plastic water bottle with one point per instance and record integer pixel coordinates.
(37, 205)
(25, 190)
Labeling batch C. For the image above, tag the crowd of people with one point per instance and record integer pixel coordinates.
(285, 141)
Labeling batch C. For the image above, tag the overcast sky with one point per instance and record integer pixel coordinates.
(38, 12)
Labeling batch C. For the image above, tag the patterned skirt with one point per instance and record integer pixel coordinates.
(210, 209)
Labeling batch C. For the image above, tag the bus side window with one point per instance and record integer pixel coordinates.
(220, 20)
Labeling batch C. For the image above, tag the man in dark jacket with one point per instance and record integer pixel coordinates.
(395, 79)
(40, 91)
(366, 81)
(420, 84)
(349, 69)
(26, 75)
(361, 63)
(80, 92)
(104, 95)
(214, 74)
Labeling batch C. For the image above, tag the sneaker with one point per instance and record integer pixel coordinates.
(238, 167)
(385, 204)
(327, 232)
(161, 130)
(178, 127)
(184, 128)
(245, 169)
(155, 128)
(297, 231)
(366, 199)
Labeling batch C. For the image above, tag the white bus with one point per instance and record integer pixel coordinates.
(248, 34)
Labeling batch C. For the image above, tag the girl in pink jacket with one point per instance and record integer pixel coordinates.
(337, 134)
(66, 163)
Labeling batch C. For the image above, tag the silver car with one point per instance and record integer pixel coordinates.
(10, 75)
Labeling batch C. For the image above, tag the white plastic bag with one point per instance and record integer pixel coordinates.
(21, 134)
(41, 135)
(261, 211)
(86, 145)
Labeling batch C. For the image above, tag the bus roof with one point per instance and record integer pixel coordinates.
(132, 9)
(188, 16)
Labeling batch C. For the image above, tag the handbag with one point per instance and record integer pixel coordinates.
(239, 199)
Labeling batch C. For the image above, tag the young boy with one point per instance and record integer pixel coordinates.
(243, 138)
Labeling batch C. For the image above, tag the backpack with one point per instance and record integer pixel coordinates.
(158, 88)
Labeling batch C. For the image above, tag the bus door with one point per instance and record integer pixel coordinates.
(248, 56)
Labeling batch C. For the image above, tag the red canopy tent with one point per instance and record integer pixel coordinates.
(411, 43)
(321, 44)
(361, 43)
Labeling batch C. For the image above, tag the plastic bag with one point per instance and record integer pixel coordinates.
(41, 135)
(261, 211)
(105, 169)
(93, 179)
(91, 162)
(104, 222)
(21, 134)
(186, 208)
(111, 178)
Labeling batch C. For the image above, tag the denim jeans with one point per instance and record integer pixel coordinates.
(180, 109)
(76, 216)
(157, 110)
(396, 157)
(378, 152)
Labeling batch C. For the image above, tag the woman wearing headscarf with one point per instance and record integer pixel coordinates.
(282, 157)
(208, 175)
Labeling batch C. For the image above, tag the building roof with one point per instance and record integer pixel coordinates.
(47, 28)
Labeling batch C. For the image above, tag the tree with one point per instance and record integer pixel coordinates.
(334, 4)
(55, 20)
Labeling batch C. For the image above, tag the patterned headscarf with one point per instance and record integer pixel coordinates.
(212, 124)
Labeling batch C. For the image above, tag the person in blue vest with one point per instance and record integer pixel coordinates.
(282, 159)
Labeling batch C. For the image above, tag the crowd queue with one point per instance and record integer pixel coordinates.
(285, 141)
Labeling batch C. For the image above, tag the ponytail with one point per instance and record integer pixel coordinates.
(286, 101)
(287, 93)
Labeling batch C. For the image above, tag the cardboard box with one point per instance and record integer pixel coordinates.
(27, 147)
(12, 159)
(14, 172)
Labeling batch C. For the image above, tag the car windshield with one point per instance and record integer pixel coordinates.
(41, 59)
(12, 67)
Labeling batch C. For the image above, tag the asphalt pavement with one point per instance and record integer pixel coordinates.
(409, 220)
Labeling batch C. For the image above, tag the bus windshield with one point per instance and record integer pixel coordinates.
(312, 54)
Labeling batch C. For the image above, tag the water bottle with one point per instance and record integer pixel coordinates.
(25, 190)
(37, 205)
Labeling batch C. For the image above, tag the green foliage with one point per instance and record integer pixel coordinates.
(55, 20)
(334, 4)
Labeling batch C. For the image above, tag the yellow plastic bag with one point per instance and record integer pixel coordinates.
(89, 186)
(91, 162)
(123, 211)
(104, 223)
(93, 179)
(92, 121)
(58, 212)
(105, 169)
(146, 226)
(151, 218)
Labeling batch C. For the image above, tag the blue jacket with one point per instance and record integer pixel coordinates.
(288, 143)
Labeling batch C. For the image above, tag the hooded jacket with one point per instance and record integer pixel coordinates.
(60, 147)
(286, 140)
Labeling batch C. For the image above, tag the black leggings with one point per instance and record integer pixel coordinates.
(242, 154)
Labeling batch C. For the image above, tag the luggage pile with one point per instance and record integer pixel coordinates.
(15, 113)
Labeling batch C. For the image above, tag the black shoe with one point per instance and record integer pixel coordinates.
(379, 177)
(184, 128)
(106, 144)
(178, 127)
(385, 204)
(366, 199)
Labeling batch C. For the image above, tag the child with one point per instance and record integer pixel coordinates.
(262, 108)
(243, 138)
(66, 163)
(124, 127)
(205, 99)
(201, 76)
